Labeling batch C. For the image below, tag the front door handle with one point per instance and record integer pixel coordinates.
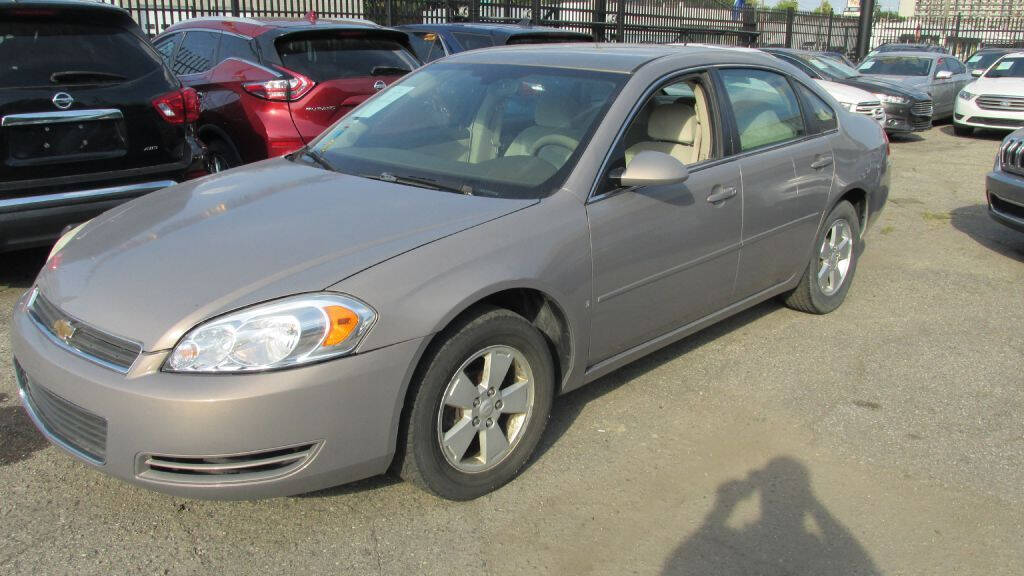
(821, 162)
(722, 195)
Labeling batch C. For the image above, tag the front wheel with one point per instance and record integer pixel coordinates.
(480, 406)
(834, 260)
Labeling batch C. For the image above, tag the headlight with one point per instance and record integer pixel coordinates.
(287, 332)
(65, 238)
(892, 99)
(965, 95)
(849, 106)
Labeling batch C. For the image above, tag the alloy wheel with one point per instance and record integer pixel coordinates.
(835, 257)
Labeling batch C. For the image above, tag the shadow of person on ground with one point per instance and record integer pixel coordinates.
(19, 438)
(975, 222)
(794, 535)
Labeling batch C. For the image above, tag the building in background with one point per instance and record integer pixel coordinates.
(907, 8)
(966, 8)
(852, 8)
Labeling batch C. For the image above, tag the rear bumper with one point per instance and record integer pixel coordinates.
(1005, 195)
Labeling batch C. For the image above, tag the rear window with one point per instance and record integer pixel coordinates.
(546, 39)
(325, 57)
(35, 52)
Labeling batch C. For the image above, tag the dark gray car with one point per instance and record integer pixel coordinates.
(940, 75)
(414, 289)
(1004, 185)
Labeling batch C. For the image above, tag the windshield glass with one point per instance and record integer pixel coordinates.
(326, 56)
(983, 60)
(482, 129)
(897, 66)
(1007, 68)
(830, 67)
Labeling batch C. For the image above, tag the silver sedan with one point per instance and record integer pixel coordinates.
(414, 289)
(940, 75)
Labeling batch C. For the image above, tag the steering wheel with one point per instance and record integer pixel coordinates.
(553, 140)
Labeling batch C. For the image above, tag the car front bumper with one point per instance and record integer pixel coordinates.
(216, 436)
(1005, 195)
(900, 119)
(968, 113)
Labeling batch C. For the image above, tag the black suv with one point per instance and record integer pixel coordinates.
(90, 116)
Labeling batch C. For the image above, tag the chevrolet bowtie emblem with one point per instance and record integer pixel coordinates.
(63, 329)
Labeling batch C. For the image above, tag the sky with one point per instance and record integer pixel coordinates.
(840, 5)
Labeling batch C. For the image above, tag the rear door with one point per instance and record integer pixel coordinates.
(76, 98)
(347, 67)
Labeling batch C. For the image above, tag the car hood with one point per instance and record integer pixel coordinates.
(918, 84)
(151, 269)
(846, 93)
(876, 84)
(997, 86)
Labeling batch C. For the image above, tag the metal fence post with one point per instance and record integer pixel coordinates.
(955, 37)
(535, 12)
(235, 11)
(750, 26)
(474, 10)
(599, 19)
(867, 15)
(789, 27)
(620, 21)
(390, 12)
(828, 35)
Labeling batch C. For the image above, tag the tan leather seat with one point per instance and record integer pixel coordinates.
(673, 129)
(551, 116)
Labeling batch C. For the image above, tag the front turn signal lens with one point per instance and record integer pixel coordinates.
(342, 322)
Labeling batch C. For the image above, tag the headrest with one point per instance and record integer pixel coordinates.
(552, 112)
(673, 123)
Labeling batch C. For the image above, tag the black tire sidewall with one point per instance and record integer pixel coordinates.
(218, 147)
(821, 301)
(497, 327)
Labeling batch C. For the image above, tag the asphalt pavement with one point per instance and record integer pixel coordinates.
(884, 438)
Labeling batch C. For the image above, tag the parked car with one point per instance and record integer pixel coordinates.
(89, 118)
(996, 100)
(855, 100)
(834, 55)
(413, 290)
(985, 57)
(1004, 185)
(906, 109)
(907, 47)
(433, 41)
(940, 75)
(269, 86)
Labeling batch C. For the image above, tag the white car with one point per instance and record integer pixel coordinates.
(995, 100)
(855, 100)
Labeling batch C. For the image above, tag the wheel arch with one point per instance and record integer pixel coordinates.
(858, 197)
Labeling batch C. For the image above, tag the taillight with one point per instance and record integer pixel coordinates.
(281, 89)
(178, 107)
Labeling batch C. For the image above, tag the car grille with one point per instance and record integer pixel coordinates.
(1006, 208)
(93, 344)
(250, 467)
(1011, 156)
(994, 102)
(922, 108)
(68, 424)
(873, 109)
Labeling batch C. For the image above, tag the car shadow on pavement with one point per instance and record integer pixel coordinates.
(20, 439)
(795, 533)
(979, 133)
(19, 269)
(975, 222)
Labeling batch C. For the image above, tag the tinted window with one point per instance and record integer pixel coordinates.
(237, 47)
(473, 41)
(545, 39)
(897, 66)
(956, 66)
(165, 46)
(325, 57)
(819, 115)
(1007, 68)
(983, 59)
(197, 53)
(427, 45)
(36, 52)
(764, 106)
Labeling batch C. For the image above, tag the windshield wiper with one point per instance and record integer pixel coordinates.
(319, 159)
(84, 75)
(420, 182)
(388, 70)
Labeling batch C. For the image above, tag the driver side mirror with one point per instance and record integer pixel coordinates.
(650, 168)
(943, 75)
(977, 72)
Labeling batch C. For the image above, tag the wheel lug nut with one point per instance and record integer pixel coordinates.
(498, 404)
(490, 422)
(490, 391)
(476, 421)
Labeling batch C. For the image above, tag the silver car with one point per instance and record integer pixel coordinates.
(413, 289)
(940, 75)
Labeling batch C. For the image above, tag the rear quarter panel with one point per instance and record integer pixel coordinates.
(861, 163)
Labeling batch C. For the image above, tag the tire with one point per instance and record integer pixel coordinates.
(961, 130)
(430, 415)
(221, 156)
(812, 296)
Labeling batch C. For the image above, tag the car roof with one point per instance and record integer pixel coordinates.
(493, 27)
(77, 5)
(913, 54)
(621, 58)
(257, 26)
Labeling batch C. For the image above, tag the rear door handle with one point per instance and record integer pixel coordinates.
(722, 195)
(821, 162)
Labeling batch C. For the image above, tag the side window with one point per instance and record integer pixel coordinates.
(957, 66)
(197, 53)
(166, 45)
(764, 106)
(237, 47)
(473, 41)
(676, 120)
(943, 64)
(427, 45)
(820, 116)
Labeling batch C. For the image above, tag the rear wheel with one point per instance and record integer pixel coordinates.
(480, 406)
(834, 260)
(961, 130)
(221, 156)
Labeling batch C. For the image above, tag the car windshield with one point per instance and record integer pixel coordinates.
(1007, 68)
(982, 60)
(481, 129)
(897, 66)
(830, 67)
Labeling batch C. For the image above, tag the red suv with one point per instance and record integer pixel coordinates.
(270, 86)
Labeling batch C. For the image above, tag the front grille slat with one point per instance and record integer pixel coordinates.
(1011, 156)
(922, 108)
(71, 425)
(105, 349)
(997, 102)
